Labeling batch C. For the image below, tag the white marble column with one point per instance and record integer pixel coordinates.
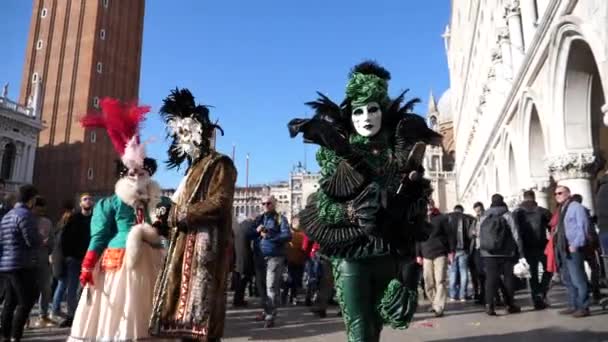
(529, 20)
(540, 193)
(31, 160)
(575, 170)
(513, 18)
(16, 174)
(22, 163)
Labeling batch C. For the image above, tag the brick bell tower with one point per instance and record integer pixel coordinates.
(80, 51)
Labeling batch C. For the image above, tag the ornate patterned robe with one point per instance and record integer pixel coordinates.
(190, 293)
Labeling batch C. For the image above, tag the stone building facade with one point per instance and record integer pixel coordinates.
(528, 82)
(19, 128)
(291, 195)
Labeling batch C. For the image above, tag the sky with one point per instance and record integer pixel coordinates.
(258, 62)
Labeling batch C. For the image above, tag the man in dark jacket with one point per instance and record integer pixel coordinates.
(500, 247)
(462, 227)
(478, 275)
(533, 224)
(243, 265)
(19, 243)
(270, 234)
(434, 255)
(75, 239)
(601, 200)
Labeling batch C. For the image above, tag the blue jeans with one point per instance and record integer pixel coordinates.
(572, 270)
(459, 270)
(68, 282)
(268, 275)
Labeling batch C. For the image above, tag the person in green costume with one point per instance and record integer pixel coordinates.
(371, 206)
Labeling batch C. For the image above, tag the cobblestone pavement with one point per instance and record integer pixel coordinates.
(463, 322)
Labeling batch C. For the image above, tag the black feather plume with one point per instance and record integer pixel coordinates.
(408, 107)
(371, 68)
(323, 106)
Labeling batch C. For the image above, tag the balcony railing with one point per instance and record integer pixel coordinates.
(15, 107)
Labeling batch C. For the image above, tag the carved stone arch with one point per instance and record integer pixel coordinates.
(9, 159)
(534, 140)
(573, 58)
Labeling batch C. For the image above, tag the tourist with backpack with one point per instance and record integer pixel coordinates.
(500, 247)
(533, 224)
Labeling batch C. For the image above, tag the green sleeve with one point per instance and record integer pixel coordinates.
(331, 209)
(103, 225)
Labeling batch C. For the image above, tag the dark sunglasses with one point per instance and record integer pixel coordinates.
(266, 203)
(559, 193)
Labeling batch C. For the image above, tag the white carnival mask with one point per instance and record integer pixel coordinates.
(189, 134)
(367, 119)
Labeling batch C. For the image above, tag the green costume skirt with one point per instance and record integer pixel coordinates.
(373, 292)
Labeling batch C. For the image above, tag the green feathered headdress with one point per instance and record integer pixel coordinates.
(368, 82)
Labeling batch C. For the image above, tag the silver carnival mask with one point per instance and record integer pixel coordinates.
(189, 135)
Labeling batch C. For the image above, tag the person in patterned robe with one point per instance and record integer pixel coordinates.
(190, 292)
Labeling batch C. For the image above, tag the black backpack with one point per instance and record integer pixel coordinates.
(494, 232)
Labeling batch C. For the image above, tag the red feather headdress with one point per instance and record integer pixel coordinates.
(122, 122)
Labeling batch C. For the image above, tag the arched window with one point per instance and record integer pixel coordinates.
(8, 161)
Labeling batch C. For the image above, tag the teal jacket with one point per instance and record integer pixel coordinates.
(111, 222)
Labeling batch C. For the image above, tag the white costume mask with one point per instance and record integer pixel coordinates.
(367, 119)
(134, 186)
(189, 133)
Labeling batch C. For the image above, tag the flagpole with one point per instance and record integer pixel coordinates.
(247, 213)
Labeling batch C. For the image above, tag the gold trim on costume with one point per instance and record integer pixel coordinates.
(112, 258)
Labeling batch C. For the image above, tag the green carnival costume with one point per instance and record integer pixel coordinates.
(371, 206)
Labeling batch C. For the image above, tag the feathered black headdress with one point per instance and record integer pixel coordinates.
(178, 106)
(371, 68)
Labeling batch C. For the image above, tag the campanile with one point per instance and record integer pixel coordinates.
(81, 51)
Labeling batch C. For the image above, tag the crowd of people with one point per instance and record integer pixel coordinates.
(40, 261)
(488, 248)
(277, 262)
(464, 258)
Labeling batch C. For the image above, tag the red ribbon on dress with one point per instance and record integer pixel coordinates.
(139, 215)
